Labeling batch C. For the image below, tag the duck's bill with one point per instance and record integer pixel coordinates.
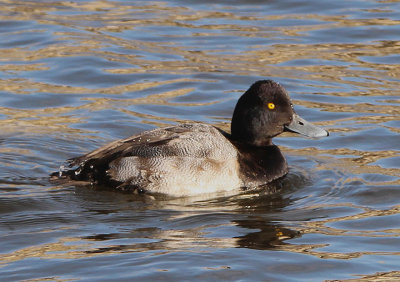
(301, 126)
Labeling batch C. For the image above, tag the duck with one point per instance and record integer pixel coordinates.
(195, 158)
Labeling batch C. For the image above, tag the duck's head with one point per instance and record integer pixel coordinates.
(264, 111)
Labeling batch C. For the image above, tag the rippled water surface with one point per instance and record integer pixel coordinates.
(75, 75)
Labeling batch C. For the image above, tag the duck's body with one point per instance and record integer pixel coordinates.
(187, 159)
(195, 158)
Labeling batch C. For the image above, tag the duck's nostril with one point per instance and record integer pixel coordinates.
(301, 123)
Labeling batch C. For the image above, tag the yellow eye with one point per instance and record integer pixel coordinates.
(271, 106)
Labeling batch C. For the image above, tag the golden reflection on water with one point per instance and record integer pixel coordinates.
(355, 162)
(377, 277)
(260, 60)
(118, 16)
(197, 239)
(56, 119)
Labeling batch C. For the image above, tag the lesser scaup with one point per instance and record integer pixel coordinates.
(194, 158)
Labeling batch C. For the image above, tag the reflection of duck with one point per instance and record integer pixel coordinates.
(254, 219)
(194, 158)
(268, 236)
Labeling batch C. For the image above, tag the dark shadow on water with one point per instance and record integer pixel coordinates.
(264, 214)
(269, 236)
(181, 223)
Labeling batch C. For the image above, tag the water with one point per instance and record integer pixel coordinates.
(75, 75)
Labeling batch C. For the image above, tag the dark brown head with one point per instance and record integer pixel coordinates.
(265, 111)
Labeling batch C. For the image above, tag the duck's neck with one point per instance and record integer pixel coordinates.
(260, 164)
(251, 132)
(250, 140)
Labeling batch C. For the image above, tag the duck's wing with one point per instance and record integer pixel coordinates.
(188, 139)
(193, 140)
(124, 147)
